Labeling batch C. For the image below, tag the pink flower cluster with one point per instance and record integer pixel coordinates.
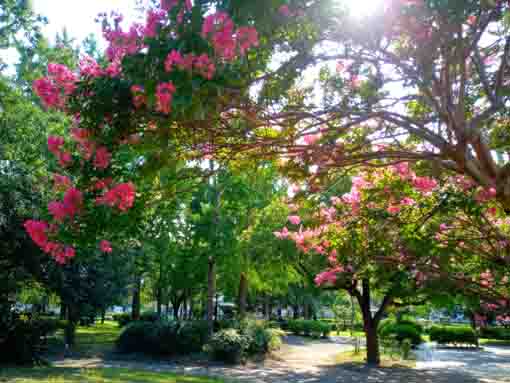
(164, 95)
(202, 64)
(69, 207)
(37, 230)
(55, 144)
(219, 27)
(121, 196)
(53, 89)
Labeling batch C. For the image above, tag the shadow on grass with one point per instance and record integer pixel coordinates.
(105, 375)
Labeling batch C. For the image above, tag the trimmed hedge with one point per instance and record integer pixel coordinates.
(453, 335)
(401, 332)
(165, 338)
(316, 329)
(498, 333)
(125, 318)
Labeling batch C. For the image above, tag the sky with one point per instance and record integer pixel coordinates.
(78, 16)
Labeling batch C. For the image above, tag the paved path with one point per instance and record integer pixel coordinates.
(491, 364)
(299, 361)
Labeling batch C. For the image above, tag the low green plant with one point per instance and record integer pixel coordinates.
(456, 335)
(227, 346)
(401, 331)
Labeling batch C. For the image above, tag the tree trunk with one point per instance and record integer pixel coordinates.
(373, 356)
(135, 306)
(73, 316)
(243, 294)
(295, 311)
(159, 296)
(267, 306)
(211, 292)
(175, 307)
(306, 311)
(103, 315)
(63, 311)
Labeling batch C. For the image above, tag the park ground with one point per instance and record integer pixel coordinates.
(300, 360)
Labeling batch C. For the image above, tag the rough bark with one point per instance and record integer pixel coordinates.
(243, 295)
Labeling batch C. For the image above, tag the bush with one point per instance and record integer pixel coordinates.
(165, 338)
(191, 337)
(22, 341)
(136, 337)
(260, 338)
(125, 318)
(227, 346)
(401, 331)
(312, 328)
(498, 333)
(453, 335)
(122, 319)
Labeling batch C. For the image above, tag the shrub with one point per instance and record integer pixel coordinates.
(149, 316)
(453, 335)
(22, 339)
(498, 333)
(310, 328)
(401, 332)
(227, 346)
(259, 337)
(191, 337)
(122, 319)
(136, 337)
(165, 338)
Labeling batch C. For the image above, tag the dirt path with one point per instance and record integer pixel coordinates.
(299, 361)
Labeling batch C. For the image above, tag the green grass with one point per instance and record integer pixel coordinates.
(106, 375)
(92, 340)
(387, 361)
(356, 334)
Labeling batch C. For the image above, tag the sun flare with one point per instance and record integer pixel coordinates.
(362, 8)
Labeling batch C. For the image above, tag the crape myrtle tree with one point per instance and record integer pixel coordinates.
(429, 79)
(173, 88)
(393, 234)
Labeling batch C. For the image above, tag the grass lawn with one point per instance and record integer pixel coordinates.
(105, 375)
(350, 357)
(90, 341)
(355, 334)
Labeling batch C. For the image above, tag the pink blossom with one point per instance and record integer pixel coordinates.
(247, 37)
(220, 28)
(73, 199)
(173, 58)
(55, 143)
(57, 210)
(284, 10)
(294, 219)
(282, 234)
(311, 139)
(90, 68)
(121, 196)
(80, 135)
(102, 158)
(407, 201)
(61, 182)
(48, 92)
(164, 95)
(204, 66)
(105, 246)
(64, 159)
(155, 17)
(336, 200)
(37, 231)
(139, 98)
(485, 195)
(393, 209)
(424, 184)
